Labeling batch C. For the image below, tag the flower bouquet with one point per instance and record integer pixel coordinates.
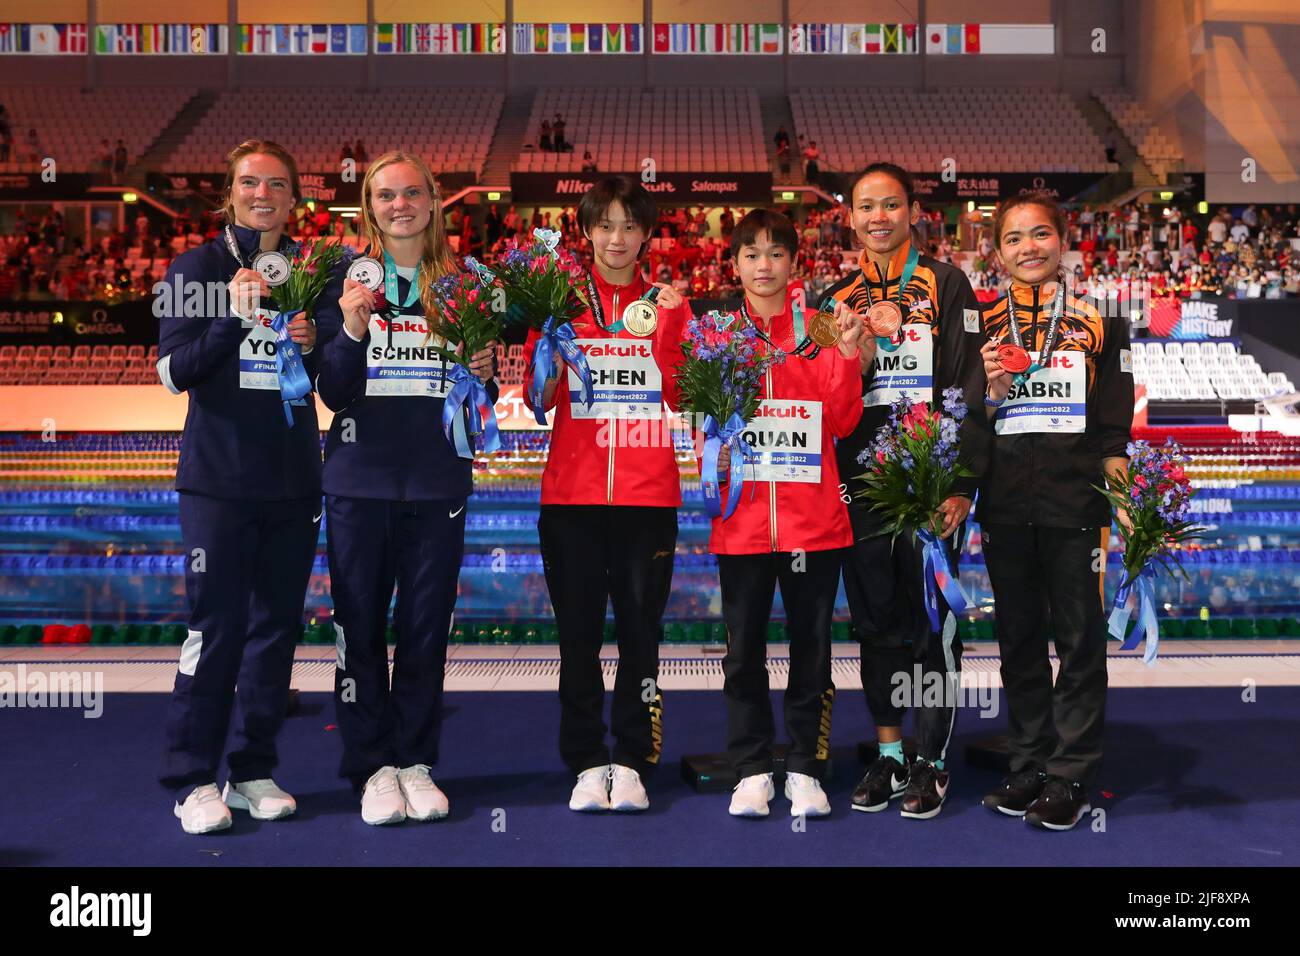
(720, 379)
(912, 466)
(1154, 494)
(310, 271)
(469, 324)
(542, 290)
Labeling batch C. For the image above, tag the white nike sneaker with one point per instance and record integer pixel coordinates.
(261, 798)
(591, 792)
(751, 796)
(203, 811)
(806, 796)
(382, 801)
(424, 801)
(626, 792)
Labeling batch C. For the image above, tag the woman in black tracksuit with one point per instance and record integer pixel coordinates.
(396, 493)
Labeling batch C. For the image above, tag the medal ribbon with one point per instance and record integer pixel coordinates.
(1049, 340)
(802, 341)
(909, 267)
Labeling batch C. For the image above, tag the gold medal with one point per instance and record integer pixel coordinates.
(884, 319)
(641, 318)
(823, 330)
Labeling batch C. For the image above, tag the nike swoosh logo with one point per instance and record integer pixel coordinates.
(940, 788)
(896, 784)
(452, 514)
(316, 520)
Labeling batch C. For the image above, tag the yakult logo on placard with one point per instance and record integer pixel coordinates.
(403, 325)
(794, 411)
(630, 350)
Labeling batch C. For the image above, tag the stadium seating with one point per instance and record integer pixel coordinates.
(84, 365)
(1132, 117)
(450, 127)
(71, 123)
(1203, 371)
(718, 129)
(919, 130)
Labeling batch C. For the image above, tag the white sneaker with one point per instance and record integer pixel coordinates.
(591, 792)
(261, 798)
(806, 796)
(424, 801)
(382, 802)
(751, 796)
(203, 811)
(626, 792)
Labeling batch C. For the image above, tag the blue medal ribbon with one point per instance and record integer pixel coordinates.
(886, 342)
(556, 339)
(294, 383)
(468, 394)
(938, 572)
(715, 437)
(1146, 625)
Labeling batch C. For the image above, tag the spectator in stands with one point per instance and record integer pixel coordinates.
(561, 144)
(811, 171)
(33, 151)
(346, 154)
(536, 221)
(493, 225)
(120, 160)
(544, 139)
(1218, 230)
(359, 153)
(1250, 217)
(588, 163)
(1111, 143)
(1240, 232)
(513, 223)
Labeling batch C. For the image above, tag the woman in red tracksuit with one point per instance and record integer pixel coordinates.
(790, 527)
(610, 493)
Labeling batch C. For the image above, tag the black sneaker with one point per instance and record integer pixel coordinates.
(1059, 807)
(885, 779)
(1016, 792)
(926, 791)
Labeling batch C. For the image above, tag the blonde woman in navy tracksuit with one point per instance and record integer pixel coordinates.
(395, 496)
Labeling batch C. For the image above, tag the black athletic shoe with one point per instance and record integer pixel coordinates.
(1059, 807)
(1016, 792)
(926, 791)
(886, 779)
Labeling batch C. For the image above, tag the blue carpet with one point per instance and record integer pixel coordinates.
(1196, 778)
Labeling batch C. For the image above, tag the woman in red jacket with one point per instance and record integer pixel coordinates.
(610, 492)
(790, 527)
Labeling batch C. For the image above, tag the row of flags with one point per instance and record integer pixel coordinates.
(490, 38)
(839, 38)
(578, 38)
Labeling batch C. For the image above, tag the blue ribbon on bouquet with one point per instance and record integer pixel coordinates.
(556, 339)
(715, 437)
(469, 394)
(1146, 625)
(938, 572)
(481, 272)
(550, 238)
(294, 383)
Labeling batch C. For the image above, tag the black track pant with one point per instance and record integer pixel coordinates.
(808, 581)
(901, 655)
(1056, 728)
(593, 554)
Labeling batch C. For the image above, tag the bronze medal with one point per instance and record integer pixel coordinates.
(641, 318)
(884, 319)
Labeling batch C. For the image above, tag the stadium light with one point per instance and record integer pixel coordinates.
(130, 197)
(1202, 207)
(787, 195)
(1166, 195)
(493, 197)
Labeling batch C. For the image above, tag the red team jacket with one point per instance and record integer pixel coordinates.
(601, 461)
(785, 515)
